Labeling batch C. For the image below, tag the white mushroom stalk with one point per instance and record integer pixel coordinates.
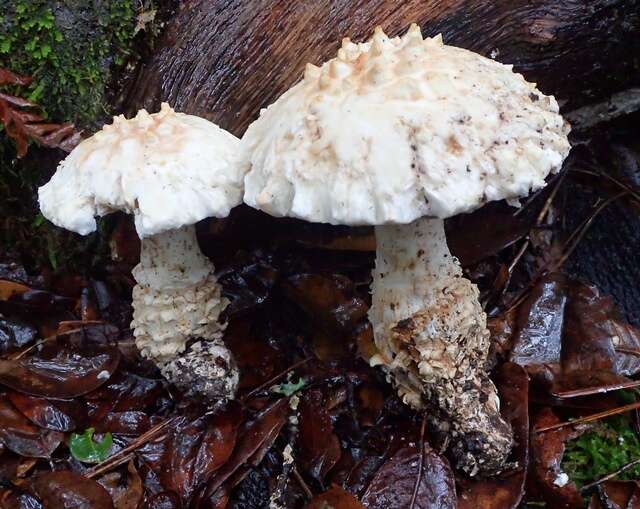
(390, 133)
(432, 339)
(178, 299)
(169, 170)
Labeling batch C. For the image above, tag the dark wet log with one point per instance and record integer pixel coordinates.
(226, 59)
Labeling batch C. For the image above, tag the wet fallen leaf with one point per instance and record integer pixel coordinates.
(502, 329)
(594, 331)
(506, 490)
(124, 486)
(196, 449)
(545, 473)
(476, 236)
(329, 300)
(334, 498)
(164, 500)
(394, 483)
(15, 334)
(616, 495)
(131, 422)
(20, 436)
(68, 490)
(67, 373)
(42, 412)
(9, 289)
(123, 392)
(254, 436)
(540, 323)
(320, 447)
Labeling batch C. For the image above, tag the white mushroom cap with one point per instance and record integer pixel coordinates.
(395, 129)
(168, 169)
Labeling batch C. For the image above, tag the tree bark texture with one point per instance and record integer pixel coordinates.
(227, 59)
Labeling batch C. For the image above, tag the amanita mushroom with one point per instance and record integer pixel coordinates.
(169, 170)
(402, 133)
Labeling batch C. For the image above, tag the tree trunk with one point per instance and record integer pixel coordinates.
(226, 59)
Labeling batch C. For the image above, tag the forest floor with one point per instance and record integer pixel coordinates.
(85, 420)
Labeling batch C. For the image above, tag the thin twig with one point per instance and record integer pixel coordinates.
(602, 389)
(590, 418)
(57, 335)
(539, 219)
(633, 463)
(274, 379)
(622, 185)
(630, 351)
(577, 236)
(569, 247)
(302, 483)
(116, 459)
(420, 465)
(94, 472)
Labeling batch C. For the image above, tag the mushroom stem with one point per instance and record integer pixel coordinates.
(178, 299)
(432, 339)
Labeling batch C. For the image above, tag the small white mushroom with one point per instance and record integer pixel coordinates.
(402, 133)
(169, 170)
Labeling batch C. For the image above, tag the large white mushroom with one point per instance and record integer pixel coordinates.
(402, 133)
(169, 170)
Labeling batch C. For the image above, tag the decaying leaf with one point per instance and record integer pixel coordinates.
(329, 301)
(66, 373)
(320, 448)
(616, 495)
(393, 485)
(254, 438)
(20, 436)
(68, 490)
(195, 450)
(124, 486)
(44, 413)
(334, 498)
(540, 323)
(22, 124)
(546, 478)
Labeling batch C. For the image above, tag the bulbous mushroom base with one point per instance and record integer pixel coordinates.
(432, 339)
(206, 369)
(438, 359)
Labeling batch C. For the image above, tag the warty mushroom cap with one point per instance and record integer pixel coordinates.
(396, 129)
(168, 169)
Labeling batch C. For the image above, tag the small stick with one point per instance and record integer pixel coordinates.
(633, 463)
(113, 461)
(622, 185)
(274, 379)
(303, 485)
(569, 247)
(602, 389)
(94, 472)
(589, 418)
(576, 237)
(420, 465)
(630, 351)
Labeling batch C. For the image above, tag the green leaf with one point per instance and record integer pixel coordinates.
(85, 449)
(289, 389)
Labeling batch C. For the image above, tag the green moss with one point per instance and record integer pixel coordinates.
(611, 445)
(73, 49)
(70, 47)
